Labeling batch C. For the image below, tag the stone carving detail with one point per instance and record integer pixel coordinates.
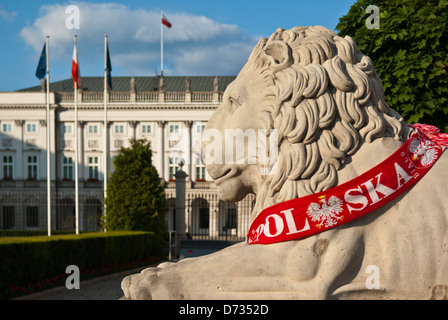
(7, 143)
(216, 84)
(93, 144)
(31, 142)
(68, 144)
(187, 84)
(162, 84)
(118, 144)
(132, 85)
(327, 103)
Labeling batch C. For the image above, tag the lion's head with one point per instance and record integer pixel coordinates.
(323, 99)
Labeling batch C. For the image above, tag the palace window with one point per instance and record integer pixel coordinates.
(9, 221)
(93, 168)
(31, 128)
(174, 129)
(32, 167)
(67, 128)
(32, 217)
(173, 167)
(93, 129)
(68, 168)
(146, 128)
(231, 218)
(200, 128)
(7, 127)
(200, 170)
(204, 218)
(119, 129)
(8, 165)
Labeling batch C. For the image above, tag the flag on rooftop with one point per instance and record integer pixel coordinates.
(108, 68)
(76, 74)
(42, 65)
(165, 21)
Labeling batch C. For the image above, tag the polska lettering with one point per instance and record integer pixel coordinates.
(306, 216)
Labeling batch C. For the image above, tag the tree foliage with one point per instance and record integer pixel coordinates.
(135, 196)
(410, 54)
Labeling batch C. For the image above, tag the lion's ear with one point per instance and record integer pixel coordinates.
(258, 49)
(278, 53)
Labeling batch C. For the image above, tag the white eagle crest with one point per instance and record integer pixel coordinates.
(328, 213)
(423, 150)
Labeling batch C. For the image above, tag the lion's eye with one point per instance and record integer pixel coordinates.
(233, 104)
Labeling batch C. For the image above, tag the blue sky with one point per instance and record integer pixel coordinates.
(207, 37)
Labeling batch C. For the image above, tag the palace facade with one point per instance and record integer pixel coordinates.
(169, 112)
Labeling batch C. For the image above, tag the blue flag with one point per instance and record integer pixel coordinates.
(42, 66)
(108, 68)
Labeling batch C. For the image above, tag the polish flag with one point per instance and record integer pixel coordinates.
(76, 74)
(165, 21)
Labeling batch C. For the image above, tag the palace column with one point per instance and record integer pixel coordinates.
(81, 148)
(187, 148)
(161, 147)
(133, 125)
(19, 170)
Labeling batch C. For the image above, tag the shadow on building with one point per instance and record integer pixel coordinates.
(138, 107)
(23, 192)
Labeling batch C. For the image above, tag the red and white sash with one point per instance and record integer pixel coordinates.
(302, 217)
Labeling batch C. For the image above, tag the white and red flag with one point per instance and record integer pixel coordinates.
(76, 74)
(165, 21)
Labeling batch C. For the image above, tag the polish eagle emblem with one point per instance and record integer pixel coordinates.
(423, 151)
(256, 234)
(327, 212)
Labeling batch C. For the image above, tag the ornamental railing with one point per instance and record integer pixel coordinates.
(147, 97)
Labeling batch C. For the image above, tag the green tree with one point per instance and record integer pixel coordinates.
(135, 196)
(410, 54)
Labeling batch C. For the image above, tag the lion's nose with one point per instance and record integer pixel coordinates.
(217, 171)
(211, 135)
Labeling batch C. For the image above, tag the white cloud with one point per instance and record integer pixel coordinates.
(195, 45)
(6, 15)
(220, 59)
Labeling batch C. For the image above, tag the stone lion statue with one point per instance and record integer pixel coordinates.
(326, 102)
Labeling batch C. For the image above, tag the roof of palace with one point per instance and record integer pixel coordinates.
(143, 84)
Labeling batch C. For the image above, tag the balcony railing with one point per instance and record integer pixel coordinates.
(147, 97)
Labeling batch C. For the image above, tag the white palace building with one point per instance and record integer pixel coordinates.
(170, 112)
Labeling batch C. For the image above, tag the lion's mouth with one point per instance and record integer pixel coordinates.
(221, 176)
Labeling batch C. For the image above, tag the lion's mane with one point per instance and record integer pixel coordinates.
(325, 99)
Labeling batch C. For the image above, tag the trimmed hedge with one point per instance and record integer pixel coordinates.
(31, 259)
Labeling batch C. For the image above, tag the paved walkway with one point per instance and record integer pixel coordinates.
(102, 288)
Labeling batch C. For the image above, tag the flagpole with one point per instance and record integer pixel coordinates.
(161, 46)
(105, 127)
(47, 44)
(76, 156)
